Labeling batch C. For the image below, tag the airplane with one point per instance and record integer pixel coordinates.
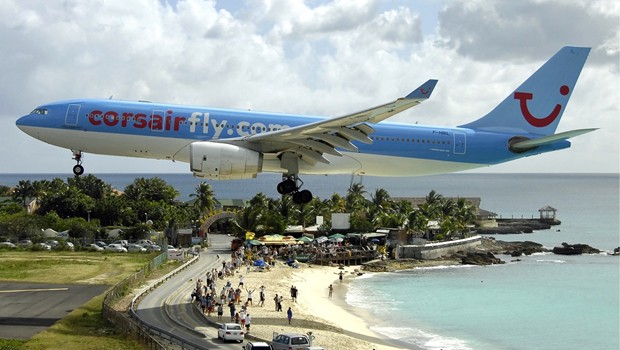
(226, 144)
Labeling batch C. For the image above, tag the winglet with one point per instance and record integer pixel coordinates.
(424, 91)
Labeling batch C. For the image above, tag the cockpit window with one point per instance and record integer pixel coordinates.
(41, 111)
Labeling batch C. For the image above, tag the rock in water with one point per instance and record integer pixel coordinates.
(574, 249)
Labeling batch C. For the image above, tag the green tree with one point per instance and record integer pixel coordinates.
(152, 190)
(19, 225)
(205, 198)
(355, 200)
(91, 186)
(23, 191)
(68, 202)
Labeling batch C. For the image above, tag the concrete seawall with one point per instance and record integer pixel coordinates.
(436, 250)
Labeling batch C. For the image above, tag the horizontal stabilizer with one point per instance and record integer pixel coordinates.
(549, 139)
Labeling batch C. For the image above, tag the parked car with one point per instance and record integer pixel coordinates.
(292, 341)
(94, 248)
(144, 242)
(116, 248)
(7, 244)
(25, 243)
(122, 242)
(42, 246)
(152, 247)
(258, 345)
(135, 248)
(230, 331)
(102, 244)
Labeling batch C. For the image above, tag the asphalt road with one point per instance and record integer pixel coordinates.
(29, 308)
(168, 307)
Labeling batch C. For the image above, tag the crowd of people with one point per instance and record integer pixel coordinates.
(237, 297)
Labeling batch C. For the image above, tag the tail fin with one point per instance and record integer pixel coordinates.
(537, 105)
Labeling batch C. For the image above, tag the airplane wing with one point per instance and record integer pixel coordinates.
(311, 141)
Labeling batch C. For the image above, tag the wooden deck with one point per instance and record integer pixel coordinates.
(347, 258)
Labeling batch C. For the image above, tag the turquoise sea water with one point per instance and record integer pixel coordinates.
(544, 301)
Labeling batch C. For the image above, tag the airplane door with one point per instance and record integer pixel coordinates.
(72, 114)
(459, 143)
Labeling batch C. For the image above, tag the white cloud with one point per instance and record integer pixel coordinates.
(327, 57)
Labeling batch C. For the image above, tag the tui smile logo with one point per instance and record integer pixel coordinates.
(523, 97)
(424, 92)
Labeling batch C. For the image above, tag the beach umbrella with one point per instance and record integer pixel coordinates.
(256, 242)
(337, 236)
(321, 239)
(374, 240)
(305, 239)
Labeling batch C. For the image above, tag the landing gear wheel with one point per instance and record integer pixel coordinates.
(302, 197)
(287, 186)
(78, 170)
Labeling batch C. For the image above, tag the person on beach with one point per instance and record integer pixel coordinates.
(250, 295)
(331, 290)
(294, 293)
(289, 314)
(248, 320)
(233, 309)
(262, 297)
(275, 299)
(242, 318)
(237, 318)
(220, 311)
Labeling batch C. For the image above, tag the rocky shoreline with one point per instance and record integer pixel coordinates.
(482, 255)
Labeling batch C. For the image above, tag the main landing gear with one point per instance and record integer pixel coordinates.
(290, 185)
(78, 169)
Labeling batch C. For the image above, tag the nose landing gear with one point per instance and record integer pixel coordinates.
(289, 185)
(78, 169)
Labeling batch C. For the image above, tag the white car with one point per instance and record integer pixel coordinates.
(135, 248)
(42, 246)
(116, 248)
(257, 345)
(95, 248)
(230, 331)
(7, 244)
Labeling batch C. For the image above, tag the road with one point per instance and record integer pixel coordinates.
(168, 306)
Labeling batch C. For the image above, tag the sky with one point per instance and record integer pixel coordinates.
(305, 57)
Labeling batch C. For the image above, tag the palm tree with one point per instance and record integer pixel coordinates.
(355, 198)
(205, 199)
(23, 191)
(337, 204)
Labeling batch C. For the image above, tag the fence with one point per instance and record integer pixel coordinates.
(120, 320)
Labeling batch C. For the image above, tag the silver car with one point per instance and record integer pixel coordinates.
(116, 248)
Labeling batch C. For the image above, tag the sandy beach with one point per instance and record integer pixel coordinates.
(331, 320)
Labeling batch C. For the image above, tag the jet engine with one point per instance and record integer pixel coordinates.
(219, 161)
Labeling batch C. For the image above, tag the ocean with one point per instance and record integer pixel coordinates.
(543, 301)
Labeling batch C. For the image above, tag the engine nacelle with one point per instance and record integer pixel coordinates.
(219, 161)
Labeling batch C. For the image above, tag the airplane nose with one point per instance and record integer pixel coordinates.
(21, 122)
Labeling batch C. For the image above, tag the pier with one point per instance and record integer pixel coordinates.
(346, 257)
